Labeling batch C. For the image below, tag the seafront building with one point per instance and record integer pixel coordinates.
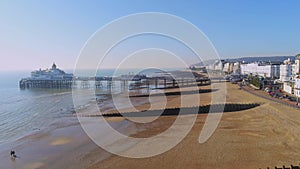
(236, 68)
(218, 66)
(284, 72)
(261, 69)
(296, 72)
(53, 73)
(226, 67)
(48, 78)
(288, 74)
(288, 86)
(297, 86)
(296, 67)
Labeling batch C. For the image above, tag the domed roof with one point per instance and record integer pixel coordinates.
(54, 66)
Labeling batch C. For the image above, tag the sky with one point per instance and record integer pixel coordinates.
(34, 34)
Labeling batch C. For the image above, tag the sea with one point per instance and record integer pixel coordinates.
(23, 112)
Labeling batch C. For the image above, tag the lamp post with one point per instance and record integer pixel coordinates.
(297, 96)
(297, 88)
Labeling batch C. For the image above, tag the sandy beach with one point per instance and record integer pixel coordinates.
(149, 84)
(265, 136)
(261, 137)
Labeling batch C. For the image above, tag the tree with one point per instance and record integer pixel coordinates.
(255, 81)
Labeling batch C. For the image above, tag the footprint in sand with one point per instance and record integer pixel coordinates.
(60, 141)
(253, 134)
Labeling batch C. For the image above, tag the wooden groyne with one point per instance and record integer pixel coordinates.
(285, 167)
(215, 108)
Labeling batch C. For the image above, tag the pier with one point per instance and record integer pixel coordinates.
(110, 82)
(55, 78)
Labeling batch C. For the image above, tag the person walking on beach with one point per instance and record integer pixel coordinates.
(12, 153)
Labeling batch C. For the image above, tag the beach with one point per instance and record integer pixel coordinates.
(265, 136)
(150, 84)
(260, 137)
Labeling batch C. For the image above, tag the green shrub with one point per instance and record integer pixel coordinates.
(255, 81)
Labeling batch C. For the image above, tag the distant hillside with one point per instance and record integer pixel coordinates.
(249, 60)
(203, 63)
(261, 59)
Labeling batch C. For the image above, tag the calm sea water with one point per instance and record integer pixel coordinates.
(25, 111)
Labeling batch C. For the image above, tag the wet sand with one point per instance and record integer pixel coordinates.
(56, 148)
(265, 136)
(261, 137)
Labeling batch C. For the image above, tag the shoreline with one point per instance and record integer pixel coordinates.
(242, 133)
(42, 138)
(261, 137)
(56, 148)
(59, 140)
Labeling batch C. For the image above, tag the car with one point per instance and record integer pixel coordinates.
(268, 90)
(287, 99)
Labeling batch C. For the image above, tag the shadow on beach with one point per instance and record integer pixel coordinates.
(177, 93)
(184, 86)
(216, 108)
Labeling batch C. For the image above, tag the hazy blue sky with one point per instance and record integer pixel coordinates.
(35, 33)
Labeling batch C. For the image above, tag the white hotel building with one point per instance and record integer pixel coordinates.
(285, 73)
(297, 87)
(272, 71)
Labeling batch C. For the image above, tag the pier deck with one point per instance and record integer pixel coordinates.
(99, 82)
